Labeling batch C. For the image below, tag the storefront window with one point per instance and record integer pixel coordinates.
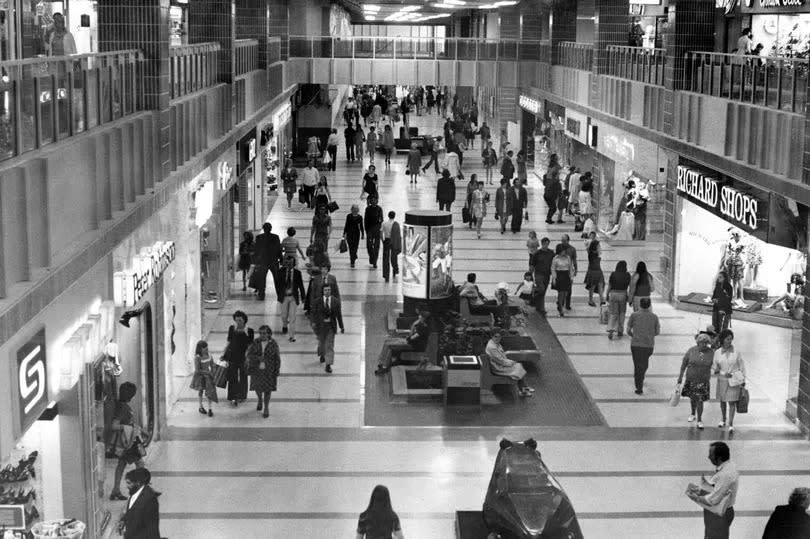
(782, 35)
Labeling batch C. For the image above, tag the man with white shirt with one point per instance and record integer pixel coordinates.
(142, 517)
(392, 245)
(717, 494)
(309, 182)
(745, 43)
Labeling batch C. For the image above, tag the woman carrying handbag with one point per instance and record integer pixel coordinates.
(730, 371)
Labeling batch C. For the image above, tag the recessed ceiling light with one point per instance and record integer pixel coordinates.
(371, 17)
(444, 5)
(410, 8)
(371, 7)
(455, 2)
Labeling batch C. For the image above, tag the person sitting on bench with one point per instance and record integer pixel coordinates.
(416, 341)
(503, 366)
(478, 303)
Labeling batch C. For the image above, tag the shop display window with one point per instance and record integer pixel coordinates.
(21, 482)
(782, 35)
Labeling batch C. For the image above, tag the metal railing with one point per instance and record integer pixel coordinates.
(246, 56)
(576, 55)
(273, 50)
(770, 81)
(193, 67)
(396, 48)
(637, 63)
(48, 99)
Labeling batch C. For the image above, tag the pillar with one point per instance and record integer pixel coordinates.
(251, 23)
(214, 21)
(562, 26)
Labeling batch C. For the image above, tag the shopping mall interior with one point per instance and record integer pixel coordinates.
(403, 322)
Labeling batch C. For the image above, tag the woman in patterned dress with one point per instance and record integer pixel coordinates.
(264, 364)
(697, 364)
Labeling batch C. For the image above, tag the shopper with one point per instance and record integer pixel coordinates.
(309, 181)
(616, 293)
(267, 252)
(264, 364)
(730, 371)
(371, 184)
(532, 244)
(331, 148)
(290, 293)
(717, 494)
(373, 220)
(445, 190)
(507, 167)
(322, 195)
(642, 327)
(594, 277)
(503, 203)
(289, 179)
(246, 247)
(540, 266)
(478, 208)
(239, 338)
(321, 228)
(472, 185)
(126, 434)
(641, 286)
(520, 161)
(414, 162)
(326, 317)
(388, 144)
(392, 245)
(490, 158)
(203, 379)
(359, 142)
(790, 521)
(371, 143)
(697, 364)
(721, 302)
(141, 520)
(431, 147)
(571, 251)
(415, 341)
(562, 275)
(290, 246)
(520, 201)
(348, 137)
(353, 232)
(379, 520)
(553, 189)
(321, 276)
(503, 366)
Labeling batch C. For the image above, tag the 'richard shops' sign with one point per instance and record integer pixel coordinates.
(742, 206)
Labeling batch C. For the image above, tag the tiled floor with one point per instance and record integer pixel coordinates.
(307, 471)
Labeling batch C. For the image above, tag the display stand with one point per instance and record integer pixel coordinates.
(427, 261)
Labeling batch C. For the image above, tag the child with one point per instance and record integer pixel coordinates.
(527, 287)
(532, 244)
(203, 379)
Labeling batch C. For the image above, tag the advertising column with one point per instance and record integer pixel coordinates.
(427, 259)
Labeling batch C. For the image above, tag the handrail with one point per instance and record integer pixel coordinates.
(247, 42)
(637, 63)
(246, 56)
(576, 55)
(776, 82)
(193, 67)
(195, 48)
(130, 55)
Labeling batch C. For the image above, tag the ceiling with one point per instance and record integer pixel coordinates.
(418, 11)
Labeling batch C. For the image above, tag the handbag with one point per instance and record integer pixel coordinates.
(742, 403)
(344, 246)
(219, 375)
(676, 396)
(327, 158)
(302, 196)
(465, 214)
(332, 207)
(604, 313)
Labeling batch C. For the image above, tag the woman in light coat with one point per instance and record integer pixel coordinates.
(730, 371)
(478, 207)
(371, 144)
(503, 366)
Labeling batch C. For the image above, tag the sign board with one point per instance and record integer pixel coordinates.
(282, 116)
(576, 125)
(32, 380)
(530, 104)
(774, 6)
(12, 517)
(246, 150)
(147, 267)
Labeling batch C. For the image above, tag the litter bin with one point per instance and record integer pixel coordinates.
(461, 380)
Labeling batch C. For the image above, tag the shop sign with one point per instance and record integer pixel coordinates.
(530, 104)
(282, 116)
(726, 5)
(32, 381)
(224, 175)
(147, 267)
(774, 6)
(723, 198)
(574, 125)
(246, 149)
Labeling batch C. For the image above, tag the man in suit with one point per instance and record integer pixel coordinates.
(503, 203)
(520, 201)
(290, 292)
(373, 219)
(320, 277)
(142, 517)
(392, 245)
(267, 253)
(326, 317)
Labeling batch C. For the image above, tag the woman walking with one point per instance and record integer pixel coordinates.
(532, 244)
(245, 256)
(641, 286)
(522, 173)
(331, 148)
(388, 144)
(359, 140)
(264, 364)
(445, 191)
(562, 274)
(478, 208)
(353, 232)
(321, 228)
(721, 302)
(313, 148)
(490, 160)
(322, 195)
(697, 364)
(379, 520)
(730, 370)
(594, 278)
(471, 187)
(289, 178)
(414, 162)
(618, 282)
(239, 338)
(371, 184)
(203, 379)
(371, 144)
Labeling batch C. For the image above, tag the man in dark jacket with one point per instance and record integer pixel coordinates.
(290, 292)
(267, 253)
(571, 252)
(326, 317)
(520, 201)
(541, 270)
(348, 134)
(503, 203)
(445, 190)
(507, 167)
(373, 220)
(142, 517)
(790, 521)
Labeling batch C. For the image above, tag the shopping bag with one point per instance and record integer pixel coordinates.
(742, 403)
(302, 196)
(465, 214)
(676, 396)
(603, 314)
(343, 246)
(326, 158)
(332, 207)
(219, 374)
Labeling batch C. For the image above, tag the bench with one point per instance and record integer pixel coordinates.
(489, 379)
(430, 352)
(521, 349)
(474, 319)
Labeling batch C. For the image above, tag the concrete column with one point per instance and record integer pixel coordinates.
(562, 26)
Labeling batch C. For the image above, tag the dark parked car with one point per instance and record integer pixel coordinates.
(524, 501)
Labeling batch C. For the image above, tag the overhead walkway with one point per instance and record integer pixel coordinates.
(422, 61)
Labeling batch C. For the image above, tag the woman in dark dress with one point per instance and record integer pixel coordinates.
(353, 232)
(371, 184)
(322, 194)
(264, 364)
(289, 178)
(379, 521)
(594, 277)
(239, 338)
(321, 228)
(721, 302)
(245, 257)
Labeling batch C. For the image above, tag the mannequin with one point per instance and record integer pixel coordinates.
(732, 263)
(791, 300)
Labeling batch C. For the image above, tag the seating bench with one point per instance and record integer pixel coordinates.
(489, 379)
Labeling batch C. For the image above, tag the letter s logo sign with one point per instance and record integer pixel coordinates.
(32, 379)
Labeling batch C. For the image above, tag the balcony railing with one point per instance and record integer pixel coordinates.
(396, 48)
(637, 63)
(273, 50)
(576, 55)
(774, 82)
(246, 56)
(48, 99)
(544, 51)
(194, 67)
